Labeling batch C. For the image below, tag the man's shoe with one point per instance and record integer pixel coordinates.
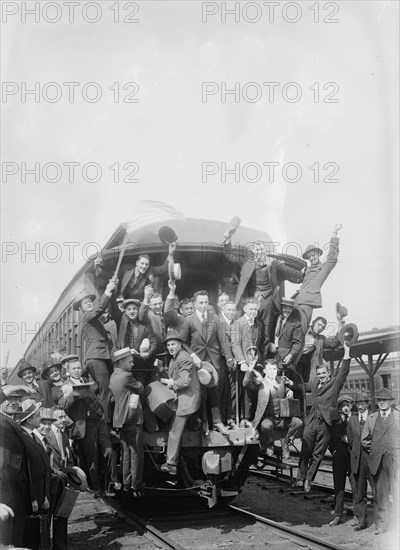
(307, 485)
(285, 449)
(219, 427)
(245, 424)
(117, 485)
(231, 424)
(336, 521)
(270, 450)
(361, 526)
(354, 522)
(169, 469)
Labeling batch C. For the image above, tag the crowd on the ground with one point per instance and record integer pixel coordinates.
(218, 369)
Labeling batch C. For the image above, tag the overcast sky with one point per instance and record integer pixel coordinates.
(334, 108)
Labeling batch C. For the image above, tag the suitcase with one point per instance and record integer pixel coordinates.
(66, 503)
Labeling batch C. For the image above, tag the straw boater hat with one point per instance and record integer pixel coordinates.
(67, 358)
(82, 295)
(46, 414)
(28, 408)
(207, 375)
(47, 366)
(287, 302)
(76, 478)
(121, 354)
(81, 389)
(311, 248)
(23, 367)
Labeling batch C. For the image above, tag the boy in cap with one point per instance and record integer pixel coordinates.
(380, 438)
(90, 430)
(182, 379)
(128, 419)
(339, 448)
(359, 463)
(288, 339)
(308, 296)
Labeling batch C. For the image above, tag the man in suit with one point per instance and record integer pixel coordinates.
(128, 418)
(247, 332)
(136, 277)
(39, 473)
(288, 339)
(359, 460)
(270, 389)
(175, 316)
(182, 379)
(203, 333)
(27, 373)
(227, 317)
(380, 438)
(151, 314)
(323, 413)
(262, 277)
(308, 296)
(14, 471)
(339, 448)
(90, 430)
(97, 345)
(61, 457)
(132, 333)
(313, 349)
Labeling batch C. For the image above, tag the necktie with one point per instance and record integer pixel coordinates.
(362, 422)
(203, 319)
(47, 446)
(279, 327)
(384, 419)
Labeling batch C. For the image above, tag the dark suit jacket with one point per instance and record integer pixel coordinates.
(374, 446)
(155, 323)
(242, 337)
(321, 343)
(325, 398)
(209, 342)
(354, 437)
(39, 469)
(186, 384)
(80, 410)
(173, 319)
(137, 291)
(290, 339)
(227, 332)
(96, 341)
(277, 273)
(315, 276)
(122, 384)
(122, 323)
(57, 463)
(14, 474)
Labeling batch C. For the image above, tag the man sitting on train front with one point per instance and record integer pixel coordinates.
(271, 389)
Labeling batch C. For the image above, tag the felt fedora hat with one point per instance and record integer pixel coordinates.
(311, 248)
(341, 311)
(172, 335)
(47, 366)
(82, 295)
(385, 394)
(46, 414)
(25, 366)
(207, 375)
(362, 396)
(76, 478)
(167, 235)
(28, 408)
(348, 333)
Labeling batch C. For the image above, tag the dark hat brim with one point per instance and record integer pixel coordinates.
(27, 367)
(77, 303)
(69, 358)
(176, 337)
(126, 303)
(307, 252)
(167, 235)
(353, 329)
(44, 372)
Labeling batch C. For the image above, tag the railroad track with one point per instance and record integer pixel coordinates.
(158, 525)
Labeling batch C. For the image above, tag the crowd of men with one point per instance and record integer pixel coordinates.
(225, 369)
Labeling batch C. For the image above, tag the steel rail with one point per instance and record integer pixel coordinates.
(136, 521)
(294, 534)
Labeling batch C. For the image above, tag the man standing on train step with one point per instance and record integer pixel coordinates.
(308, 296)
(97, 345)
(323, 414)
